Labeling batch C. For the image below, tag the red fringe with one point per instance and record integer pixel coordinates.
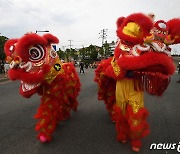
(153, 83)
(142, 127)
(122, 127)
(106, 85)
(125, 127)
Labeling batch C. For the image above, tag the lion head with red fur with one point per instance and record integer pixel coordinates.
(149, 59)
(30, 58)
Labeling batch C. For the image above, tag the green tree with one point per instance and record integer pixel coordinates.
(73, 54)
(88, 54)
(82, 53)
(61, 54)
(101, 51)
(107, 49)
(67, 55)
(93, 53)
(3, 39)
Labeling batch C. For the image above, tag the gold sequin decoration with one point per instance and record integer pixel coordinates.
(124, 47)
(136, 122)
(136, 105)
(42, 121)
(115, 66)
(53, 73)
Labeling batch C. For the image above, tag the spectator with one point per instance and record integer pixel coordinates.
(86, 65)
(81, 65)
(1, 67)
(6, 68)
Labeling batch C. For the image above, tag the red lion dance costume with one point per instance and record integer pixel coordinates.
(141, 63)
(34, 62)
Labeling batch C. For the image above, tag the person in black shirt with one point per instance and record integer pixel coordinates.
(81, 65)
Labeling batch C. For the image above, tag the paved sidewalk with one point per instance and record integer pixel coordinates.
(3, 77)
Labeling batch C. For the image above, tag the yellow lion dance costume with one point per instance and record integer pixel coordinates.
(141, 62)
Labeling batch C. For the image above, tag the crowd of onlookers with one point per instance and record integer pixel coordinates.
(88, 65)
(4, 67)
(85, 64)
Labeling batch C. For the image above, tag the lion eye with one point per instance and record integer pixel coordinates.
(12, 48)
(53, 53)
(36, 53)
(162, 25)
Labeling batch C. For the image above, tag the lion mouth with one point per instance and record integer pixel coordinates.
(28, 87)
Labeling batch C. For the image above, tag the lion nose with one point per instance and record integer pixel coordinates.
(8, 59)
(17, 59)
(15, 62)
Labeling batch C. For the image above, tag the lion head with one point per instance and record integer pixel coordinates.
(30, 58)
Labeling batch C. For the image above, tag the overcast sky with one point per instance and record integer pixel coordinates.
(78, 20)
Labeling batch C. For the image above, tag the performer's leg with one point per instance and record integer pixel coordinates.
(121, 125)
(48, 115)
(136, 116)
(120, 110)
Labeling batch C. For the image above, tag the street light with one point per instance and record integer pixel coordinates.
(42, 31)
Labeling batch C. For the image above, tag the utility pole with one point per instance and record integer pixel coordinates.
(70, 44)
(65, 53)
(103, 35)
(63, 47)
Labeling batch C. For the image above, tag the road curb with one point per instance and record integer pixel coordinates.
(3, 79)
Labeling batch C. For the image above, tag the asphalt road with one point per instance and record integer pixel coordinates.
(89, 130)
